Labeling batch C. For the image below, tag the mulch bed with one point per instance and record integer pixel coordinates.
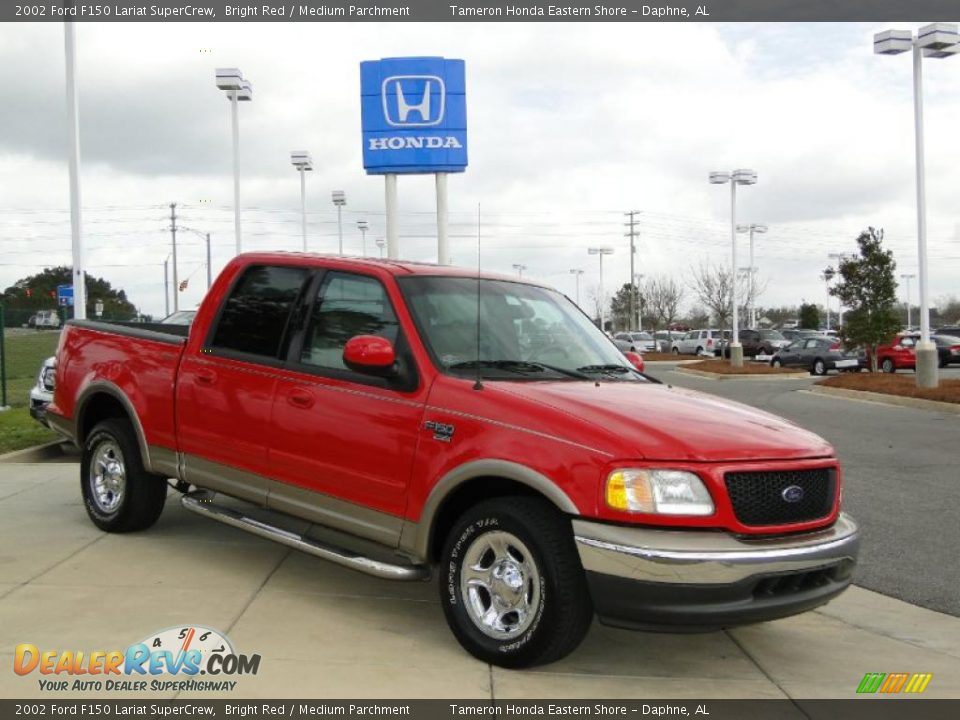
(903, 385)
(666, 356)
(723, 367)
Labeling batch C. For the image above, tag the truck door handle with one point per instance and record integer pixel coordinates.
(300, 398)
(205, 377)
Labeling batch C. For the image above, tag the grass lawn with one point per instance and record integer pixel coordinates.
(903, 385)
(723, 367)
(25, 352)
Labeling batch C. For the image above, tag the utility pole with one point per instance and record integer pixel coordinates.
(173, 240)
(577, 272)
(632, 234)
(166, 287)
(209, 276)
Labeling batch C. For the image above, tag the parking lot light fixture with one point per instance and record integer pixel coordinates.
(752, 228)
(238, 89)
(380, 243)
(339, 199)
(363, 226)
(938, 40)
(740, 176)
(302, 161)
(577, 272)
(519, 268)
(601, 251)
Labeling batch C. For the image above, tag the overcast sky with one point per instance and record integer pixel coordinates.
(570, 125)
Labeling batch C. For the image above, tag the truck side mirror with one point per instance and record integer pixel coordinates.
(370, 355)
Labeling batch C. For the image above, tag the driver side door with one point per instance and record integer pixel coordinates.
(343, 443)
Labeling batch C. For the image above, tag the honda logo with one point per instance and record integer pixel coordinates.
(413, 100)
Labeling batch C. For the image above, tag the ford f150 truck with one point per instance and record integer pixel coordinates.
(473, 427)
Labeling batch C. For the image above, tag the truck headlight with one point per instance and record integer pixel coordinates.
(663, 492)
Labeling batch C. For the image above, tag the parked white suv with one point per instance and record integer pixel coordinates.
(47, 319)
(698, 342)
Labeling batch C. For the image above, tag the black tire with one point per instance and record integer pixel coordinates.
(888, 366)
(776, 362)
(676, 351)
(699, 351)
(819, 367)
(141, 496)
(563, 611)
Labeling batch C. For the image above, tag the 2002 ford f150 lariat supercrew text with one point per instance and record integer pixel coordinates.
(519, 457)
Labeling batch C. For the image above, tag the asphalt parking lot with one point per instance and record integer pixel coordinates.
(324, 631)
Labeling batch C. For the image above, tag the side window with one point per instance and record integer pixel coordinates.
(348, 305)
(813, 343)
(255, 315)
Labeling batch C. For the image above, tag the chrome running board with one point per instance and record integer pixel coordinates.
(200, 503)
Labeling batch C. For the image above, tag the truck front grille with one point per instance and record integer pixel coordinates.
(781, 497)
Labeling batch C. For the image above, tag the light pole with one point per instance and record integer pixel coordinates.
(339, 199)
(380, 242)
(206, 238)
(73, 131)
(741, 176)
(519, 268)
(601, 251)
(636, 279)
(939, 40)
(908, 278)
(577, 272)
(238, 90)
(839, 257)
(363, 226)
(302, 161)
(166, 287)
(752, 229)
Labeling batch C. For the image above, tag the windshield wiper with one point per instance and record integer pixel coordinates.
(608, 368)
(519, 366)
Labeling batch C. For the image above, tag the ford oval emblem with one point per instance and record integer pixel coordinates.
(792, 494)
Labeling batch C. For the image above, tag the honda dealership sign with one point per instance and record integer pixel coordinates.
(414, 115)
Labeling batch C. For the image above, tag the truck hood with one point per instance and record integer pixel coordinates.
(659, 422)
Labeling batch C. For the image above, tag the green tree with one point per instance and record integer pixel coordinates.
(620, 307)
(809, 316)
(39, 292)
(868, 288)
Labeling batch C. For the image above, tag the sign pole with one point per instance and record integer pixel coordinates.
(443, 240)
(73, 128)
(393, 231)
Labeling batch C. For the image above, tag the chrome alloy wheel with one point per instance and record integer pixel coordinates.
(108, 477)
(500, 585)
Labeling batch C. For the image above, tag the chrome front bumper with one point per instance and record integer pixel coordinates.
(701, 580)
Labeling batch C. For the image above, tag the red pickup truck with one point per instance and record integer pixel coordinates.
(478, 428)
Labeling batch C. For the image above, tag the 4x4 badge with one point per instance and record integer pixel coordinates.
(441, 431)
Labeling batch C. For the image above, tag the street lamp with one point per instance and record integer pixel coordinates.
(339, 199)
(577, 272)
(759, 229)
(380, 242)
(908, 278)
(601, 251)
(939, 40)
(519, 268)
(741, 176)
(302, 161)
(238, 90)
(363, 226)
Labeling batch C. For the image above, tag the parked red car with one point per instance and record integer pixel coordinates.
(898, 354)
(479, 429)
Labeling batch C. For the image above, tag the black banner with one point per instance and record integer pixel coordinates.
(481, 11)
(872, 708)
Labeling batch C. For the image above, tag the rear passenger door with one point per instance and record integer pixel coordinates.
(342, 443)
(225, 392)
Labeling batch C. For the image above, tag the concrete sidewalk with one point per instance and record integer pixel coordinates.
(324, 631)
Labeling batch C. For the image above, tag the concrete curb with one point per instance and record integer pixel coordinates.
(885, 399)
(670, 362)
(766, 376)
(37, 453)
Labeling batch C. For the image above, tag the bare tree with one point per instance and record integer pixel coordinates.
(662, 297)
(713, 287)
(597, 302)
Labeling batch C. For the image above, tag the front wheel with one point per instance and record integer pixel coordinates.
(776, 362)
(118, 492)
(888, 366)
(512, 587)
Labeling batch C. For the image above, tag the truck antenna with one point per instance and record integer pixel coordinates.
(478, 385)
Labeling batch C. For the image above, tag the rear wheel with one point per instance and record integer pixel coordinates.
(888, 365)
(676, 351)
(819, 367)
(118, 492)
(511, 584)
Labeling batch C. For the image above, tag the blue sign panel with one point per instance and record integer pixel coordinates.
(414, 115)
(65, 295)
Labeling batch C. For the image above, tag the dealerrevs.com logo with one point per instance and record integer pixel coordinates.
(170, 660)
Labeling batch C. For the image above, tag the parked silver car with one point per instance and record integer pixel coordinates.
(699, 342)
(642, 341)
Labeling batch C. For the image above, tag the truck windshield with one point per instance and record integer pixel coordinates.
(526, 332)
